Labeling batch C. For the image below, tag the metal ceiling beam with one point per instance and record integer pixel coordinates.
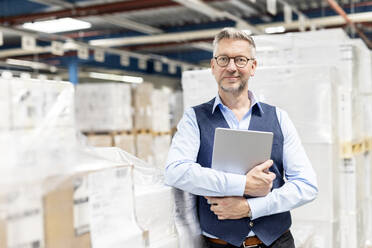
(59, 3)
(129, 24)
(329, 21)
(159, 38)
(210, 33)
(92, 10)
(350, 22)
(71, 44)
(204, 8)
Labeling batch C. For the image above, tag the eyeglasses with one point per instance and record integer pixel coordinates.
(240, 61)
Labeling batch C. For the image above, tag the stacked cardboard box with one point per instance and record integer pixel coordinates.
(34, 133)
(198, 87)
(152, 124)
(143, 106)
(102, 107)
(176, 108)
(316, 124)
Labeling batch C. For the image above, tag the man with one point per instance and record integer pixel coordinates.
(249, 210)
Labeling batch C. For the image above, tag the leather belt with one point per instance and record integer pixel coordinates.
(248, 242)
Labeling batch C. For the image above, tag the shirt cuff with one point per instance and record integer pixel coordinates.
(235, 184)
(259, 207)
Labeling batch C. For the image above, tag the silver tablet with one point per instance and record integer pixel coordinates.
(238, 151)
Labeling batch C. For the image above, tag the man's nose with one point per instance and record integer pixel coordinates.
(231, 65)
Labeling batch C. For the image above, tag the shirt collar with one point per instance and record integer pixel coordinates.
(251, 96)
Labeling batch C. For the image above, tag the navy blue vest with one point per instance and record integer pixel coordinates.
(267, 228)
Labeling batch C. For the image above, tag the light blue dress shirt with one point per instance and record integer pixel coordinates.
(184, 173)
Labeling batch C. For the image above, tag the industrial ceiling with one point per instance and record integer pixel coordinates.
(157, 36)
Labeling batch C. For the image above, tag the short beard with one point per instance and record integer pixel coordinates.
(234, 91)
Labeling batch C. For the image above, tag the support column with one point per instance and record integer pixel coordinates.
(73, 71)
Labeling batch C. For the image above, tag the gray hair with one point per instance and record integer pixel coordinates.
(235, 34)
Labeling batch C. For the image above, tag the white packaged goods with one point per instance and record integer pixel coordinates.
(99, 140)
(125, 142)
(151, 109)
(4, 105)
(176, 108)
(366, 104)
(103, 107)
(22, 222)
(111, 214)
(198, 87)
(325, 161)
(144, 147)
(352, 195)
(363, 66)
(160, 111)
(317, 234)
(143, 106)
(171, 242)
(83, 199)
(157, 218)
(315, 122)
(30, 103)
(153, 148)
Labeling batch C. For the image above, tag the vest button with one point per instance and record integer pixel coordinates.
(251, 223)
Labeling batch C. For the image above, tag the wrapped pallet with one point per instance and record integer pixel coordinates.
(154, 203)
(317, 126)
(55, 193)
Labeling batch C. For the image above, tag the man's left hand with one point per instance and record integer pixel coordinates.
(231, 207)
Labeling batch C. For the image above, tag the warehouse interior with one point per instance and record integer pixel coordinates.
(91, 92)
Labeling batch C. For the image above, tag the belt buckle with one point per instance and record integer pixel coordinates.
(249, 246)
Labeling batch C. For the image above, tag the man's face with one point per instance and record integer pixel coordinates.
(231, 78)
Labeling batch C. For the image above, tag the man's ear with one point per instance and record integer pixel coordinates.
(253, 67)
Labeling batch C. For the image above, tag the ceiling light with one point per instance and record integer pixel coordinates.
(113, 77)
(273, 30)
(57, 25)
(32, 64)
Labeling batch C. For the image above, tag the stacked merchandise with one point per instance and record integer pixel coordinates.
(55, 193)
(152, 125)
(153, 202)
(176, 109)
(313, 110)
(104, 113)
(353, 67)
(198, 86)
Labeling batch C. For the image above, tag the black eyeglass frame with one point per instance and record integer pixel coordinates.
(240, 56)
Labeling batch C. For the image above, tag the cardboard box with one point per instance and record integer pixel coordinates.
(59, 206)
(157, 218)
(102, 107)
(125, 142)
(101, 140)
(144, 147)
(143, 106)
(21, 220)
(160, 111)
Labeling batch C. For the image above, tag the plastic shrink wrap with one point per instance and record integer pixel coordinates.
(51, 186)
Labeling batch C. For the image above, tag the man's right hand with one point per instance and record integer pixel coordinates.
(259, 180)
